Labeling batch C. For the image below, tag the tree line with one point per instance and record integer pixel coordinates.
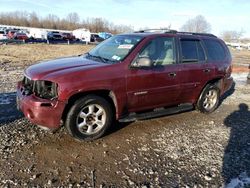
(70, 22)
(199, 24)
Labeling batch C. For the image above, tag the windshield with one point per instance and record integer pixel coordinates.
(115, 49)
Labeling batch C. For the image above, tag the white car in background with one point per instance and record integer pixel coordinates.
(82, 34)
(3, 35)
(239, 48)
(37, 33)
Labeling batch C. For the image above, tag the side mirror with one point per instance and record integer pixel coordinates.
(142, 62)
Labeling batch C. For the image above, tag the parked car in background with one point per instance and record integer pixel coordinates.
(95, 38)
(3, 35)
(37, 33)
(20, 35)
(54, 35)
(68, 36)
(11, 34)
(105, 35)
(239, 48)
(127, 77)
(82, 34)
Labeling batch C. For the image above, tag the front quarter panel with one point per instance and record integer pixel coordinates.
(110, 77)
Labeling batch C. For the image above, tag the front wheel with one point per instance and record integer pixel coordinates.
(89, 118)
(209, 99)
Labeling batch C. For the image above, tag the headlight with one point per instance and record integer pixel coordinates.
(28, 85)
(45, 89)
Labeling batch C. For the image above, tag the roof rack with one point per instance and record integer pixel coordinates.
(156, 30)
(174, 32)
(201, 34)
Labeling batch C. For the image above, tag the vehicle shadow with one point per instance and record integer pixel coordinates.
(236, 160)
(117, 126)
(8, 110)
(228, 93)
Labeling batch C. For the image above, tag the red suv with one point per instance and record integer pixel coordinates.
(68, 36)
(11, 34)
(20, 36)
(127, 77)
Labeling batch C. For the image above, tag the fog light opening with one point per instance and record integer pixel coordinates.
(46, 104)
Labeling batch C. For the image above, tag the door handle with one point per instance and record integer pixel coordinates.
(172, 74)
(206, 70)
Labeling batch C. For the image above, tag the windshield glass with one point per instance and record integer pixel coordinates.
(115, 49)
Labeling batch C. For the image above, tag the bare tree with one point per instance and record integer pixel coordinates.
(51, 21)
(73, 17)
(198, 24)
(71, 22)
(100, 24)
(34, 20)
(232, 36)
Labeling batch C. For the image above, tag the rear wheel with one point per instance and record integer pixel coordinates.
(209, 99)
(89, 118)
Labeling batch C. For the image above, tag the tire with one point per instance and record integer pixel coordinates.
(209, 99)
(89, 118)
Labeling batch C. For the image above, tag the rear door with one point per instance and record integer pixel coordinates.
(158, 85)
(217, 56)
(195, 69)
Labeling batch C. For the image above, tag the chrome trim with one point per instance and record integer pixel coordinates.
(26, 75)
(141, 93)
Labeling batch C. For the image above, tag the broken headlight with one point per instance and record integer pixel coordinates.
(28, 86)
(45, 89)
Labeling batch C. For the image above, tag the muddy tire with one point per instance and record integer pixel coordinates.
(89, 118)
(209, 99)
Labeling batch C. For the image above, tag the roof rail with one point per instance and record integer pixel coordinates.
(201, 34)
(174, 32)
(156, 30)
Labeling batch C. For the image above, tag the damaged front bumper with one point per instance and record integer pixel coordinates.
(43, 112)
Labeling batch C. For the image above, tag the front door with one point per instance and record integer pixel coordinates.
(158, 85)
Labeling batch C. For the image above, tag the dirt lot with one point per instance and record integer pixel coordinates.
(241, 60)
(182, 150)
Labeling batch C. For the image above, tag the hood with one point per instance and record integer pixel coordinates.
(44, 69)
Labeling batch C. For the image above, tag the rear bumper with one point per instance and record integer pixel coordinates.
(42, 112)
(227, 84)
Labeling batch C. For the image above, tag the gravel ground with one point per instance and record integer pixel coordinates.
(183, 150)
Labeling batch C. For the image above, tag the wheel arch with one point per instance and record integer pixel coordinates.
(217, 81)
(106, 94)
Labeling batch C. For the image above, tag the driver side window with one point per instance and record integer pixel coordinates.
(161, 51)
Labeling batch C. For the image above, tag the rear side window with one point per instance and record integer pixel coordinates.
(215, 50)
(192, 51)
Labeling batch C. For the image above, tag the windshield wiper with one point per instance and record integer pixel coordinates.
(104, 60)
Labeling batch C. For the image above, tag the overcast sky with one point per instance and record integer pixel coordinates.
(221, 14)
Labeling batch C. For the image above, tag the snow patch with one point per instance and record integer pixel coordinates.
(5, 101)
(240, 78)
(240, 182)
(7, 98)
